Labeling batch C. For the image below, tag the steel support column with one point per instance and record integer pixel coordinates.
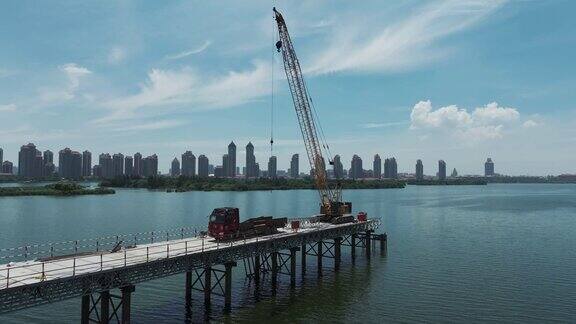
(353, 246)
(337, 252)
(188, 294)
(85, 317)
(257, 269)
(228, 285)
(293, 266)
(126, 303)
(274, 256)
(319, 257)
(303, 262)
(105, 307)
(207, 285)
(368, 239)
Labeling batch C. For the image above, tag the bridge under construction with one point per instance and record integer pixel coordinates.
(93, 272)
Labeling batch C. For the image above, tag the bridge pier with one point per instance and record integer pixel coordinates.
(353, 246)
(228, 285)
(368, 241)
(293, 266)
(119, 311)
(207, 285)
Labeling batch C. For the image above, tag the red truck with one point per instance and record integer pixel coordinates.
(225, 224)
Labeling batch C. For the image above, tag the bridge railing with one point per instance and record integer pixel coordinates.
(39, 271)
(100, 244)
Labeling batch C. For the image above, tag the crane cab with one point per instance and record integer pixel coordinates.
(224, 221)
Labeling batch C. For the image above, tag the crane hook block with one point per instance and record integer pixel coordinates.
(278, 46)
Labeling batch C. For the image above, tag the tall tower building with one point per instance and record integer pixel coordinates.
(175, 168)
(86, 163)
(273, 167)
(26, 158)
(7, 167)
(390, 168)
(377, 166)
(203, 166)
(338, 167)
(128, 165)
(138, 170)
(356, 170)
(489, 168)
(48, 157)
(250, 161)
(69, 164)
(118, 164)
(188, 164)
(106, 170)
(150, 165)
(1, 155)
(419, 170)
(231, 170)
(441, 170)
(295, 166)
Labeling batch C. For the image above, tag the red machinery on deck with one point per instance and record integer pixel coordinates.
(225, 224)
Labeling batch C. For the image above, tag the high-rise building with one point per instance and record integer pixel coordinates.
(390, 168)
(69, 164)
(257, 170)
(175, 168)
(231, 170)
(128, 166)
(118, 164)
(188, 164)
(377, 166)
(338, 167)
(7, 167)
(219, 172)
(203, 166)
(250, 162)
(225, 166)
(97, 171)
(106, 170)
(1, 156)
(489, 168)
(295, 166)
(48, 157)
(49, 169)
(419, 170)
(86, 163)
(356, 170)
(150, 166)
(273, 167)
(454, 173)
(138, 171)
(441, 170)
(27, 160)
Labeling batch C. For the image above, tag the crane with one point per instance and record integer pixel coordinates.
(332, 208)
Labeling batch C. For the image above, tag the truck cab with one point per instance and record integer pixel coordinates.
(223, 222)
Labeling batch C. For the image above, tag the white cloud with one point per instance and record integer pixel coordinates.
(186, 87)
(8, 107)
(156, 125)
(492, 113)
(74, 73)
(198, 50)
(117, 55)
(381, 125)
(367, 45)
(423, 116)
(484, 123)
(529, 123)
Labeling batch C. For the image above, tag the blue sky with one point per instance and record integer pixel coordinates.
(453, 80)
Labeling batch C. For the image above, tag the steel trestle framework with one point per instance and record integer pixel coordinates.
(48, 291)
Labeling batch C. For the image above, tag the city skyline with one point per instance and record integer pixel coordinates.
(73, 165)
(451, 92)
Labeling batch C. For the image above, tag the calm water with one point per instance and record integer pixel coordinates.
(503, 253)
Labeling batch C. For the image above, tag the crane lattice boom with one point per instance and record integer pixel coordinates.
(330, 197)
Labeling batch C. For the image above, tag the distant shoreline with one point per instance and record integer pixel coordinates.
(61, 189)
